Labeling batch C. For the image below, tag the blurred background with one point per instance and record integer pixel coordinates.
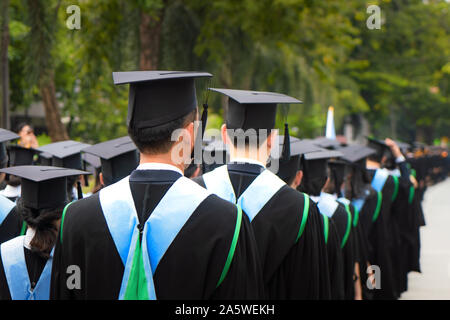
(393, 81)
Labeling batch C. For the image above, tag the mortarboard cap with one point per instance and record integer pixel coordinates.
(6, 135)
(326, 143)
(45, 159)
(288, 168)
(118, 157)
(253, 109)
(20, 156)
(66, 154)
(158, 97)
(43, 186)
(354, 153)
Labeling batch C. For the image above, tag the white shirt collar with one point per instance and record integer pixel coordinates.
(371, 167)
(246, 160)
(11, 192)
(314, 198)
(324, 195)
(158, 166)
(28, 237)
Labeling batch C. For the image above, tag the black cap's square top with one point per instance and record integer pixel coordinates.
(322, 154)
(20, 156)
(354, 153)
(326, 143)
(43, 186)
(119, 157)
(158, 97)
(66, 154)
(253, 109)
(6, 135)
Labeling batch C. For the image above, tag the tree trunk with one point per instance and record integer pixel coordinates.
(149, 36)
(4, 64)
(56, 129)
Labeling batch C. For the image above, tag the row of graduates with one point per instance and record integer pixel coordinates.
(240, 231)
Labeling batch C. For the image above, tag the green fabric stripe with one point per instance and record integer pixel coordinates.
(378, 208)
(24, 228)
(394, 195)
(411, 189)
(137, 281)
(304, 217)
(233, 246)
(326, 227)
(62, 221)
(349, 226)
(356, 217)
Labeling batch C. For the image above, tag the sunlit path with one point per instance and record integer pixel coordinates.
(434, 282)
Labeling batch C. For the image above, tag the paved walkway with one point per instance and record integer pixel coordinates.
(434, 281)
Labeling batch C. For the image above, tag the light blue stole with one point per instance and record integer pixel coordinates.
(253, 199)
(379, 179)
(160, 229)
(327, 204)
(16, 272)
(6, 206)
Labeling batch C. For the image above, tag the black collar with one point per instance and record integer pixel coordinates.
(244, 167)
(155, 176)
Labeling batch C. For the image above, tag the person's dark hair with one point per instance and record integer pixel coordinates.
(13, 181)
(44, 222)
(157, 140)
(21, 125)
(70, 185)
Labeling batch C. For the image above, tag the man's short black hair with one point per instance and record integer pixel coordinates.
(157, 140)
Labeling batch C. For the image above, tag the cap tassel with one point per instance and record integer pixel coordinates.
(80, 191)
(286, 153)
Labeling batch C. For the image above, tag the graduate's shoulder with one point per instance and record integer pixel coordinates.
(217, 210)
(83, 212)
(290, 198)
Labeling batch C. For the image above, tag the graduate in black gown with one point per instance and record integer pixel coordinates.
(157, 234)
(286, 223)
(291, 172)
(26, 261)
(315, 181)
(385, 236)
(361, 200)
(11, 222)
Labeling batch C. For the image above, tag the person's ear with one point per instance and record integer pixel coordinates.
(100, 177)
(191, 132)
(298, 179)
(223, 131)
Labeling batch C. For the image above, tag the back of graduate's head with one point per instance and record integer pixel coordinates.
(45, 222)
(159, 139)
(315, 176)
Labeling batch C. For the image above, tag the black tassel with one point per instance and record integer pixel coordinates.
(204, 118)
(80, 191)
(286, 153)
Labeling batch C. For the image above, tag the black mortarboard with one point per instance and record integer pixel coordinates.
(20, 156)
(253, 109)
(158, 97)
(66, 154)
(5, 136)
(381, 148)
(118, 157)
(288, 168)
(354, 153)
(317, 160)
(326, 143)
(45, 159)
(43, 186)
(91, 163)
(215, 154)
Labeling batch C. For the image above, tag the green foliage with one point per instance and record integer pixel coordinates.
(318, 51)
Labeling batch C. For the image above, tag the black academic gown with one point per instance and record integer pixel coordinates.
(335, 262)
(35, 265)
(341, 221)
(292, 270)
(191, 266)
(382, 238)
(11, 226)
